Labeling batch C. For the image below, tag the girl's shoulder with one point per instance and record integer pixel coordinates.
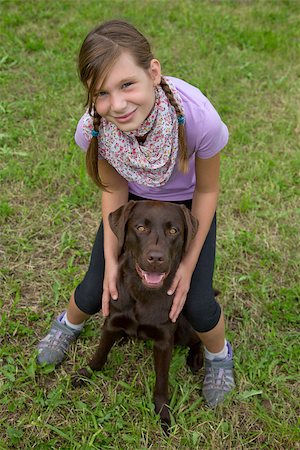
(190, 95)
(205, 131)
(197, 107)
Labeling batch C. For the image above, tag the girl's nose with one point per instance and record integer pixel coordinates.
(117, 103)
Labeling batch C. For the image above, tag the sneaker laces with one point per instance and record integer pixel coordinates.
(57, 339)
(219, 377)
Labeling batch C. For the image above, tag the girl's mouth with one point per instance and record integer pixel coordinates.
(126, 117)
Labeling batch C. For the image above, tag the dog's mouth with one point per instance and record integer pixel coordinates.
(151, 279)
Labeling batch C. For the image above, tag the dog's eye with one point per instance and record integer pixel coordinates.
(141, 228)
(172, 230)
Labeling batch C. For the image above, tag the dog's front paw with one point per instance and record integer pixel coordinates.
(165, 418)
(195, 359)
(165, 423)
(80, 378)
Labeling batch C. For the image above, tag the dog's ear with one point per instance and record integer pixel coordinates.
(190, 225)
(118, 220)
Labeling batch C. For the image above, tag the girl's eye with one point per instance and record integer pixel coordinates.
(101, 94)
(172, 230)
(126, 85)
(141, 228)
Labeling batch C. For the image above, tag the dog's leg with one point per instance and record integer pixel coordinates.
(107, 340)
(162, 358)
(185, 335)
(195, 356)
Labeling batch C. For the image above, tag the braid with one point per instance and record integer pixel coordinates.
(92, 155)
(183, 153)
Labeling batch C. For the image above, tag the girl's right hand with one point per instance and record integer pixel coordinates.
(109, 286)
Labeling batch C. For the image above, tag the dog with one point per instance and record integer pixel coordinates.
(152, 236)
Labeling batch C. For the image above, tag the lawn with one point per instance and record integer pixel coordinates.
(244, 55)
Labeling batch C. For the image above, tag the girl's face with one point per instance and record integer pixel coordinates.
(127, 94)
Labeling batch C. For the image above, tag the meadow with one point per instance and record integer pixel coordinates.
(244, 56)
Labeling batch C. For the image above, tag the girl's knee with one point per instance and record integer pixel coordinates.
(88, 296)
(203, 316)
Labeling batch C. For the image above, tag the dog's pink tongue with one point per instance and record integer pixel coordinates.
(153, 277)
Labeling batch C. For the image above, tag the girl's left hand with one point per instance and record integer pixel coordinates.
(180, 285)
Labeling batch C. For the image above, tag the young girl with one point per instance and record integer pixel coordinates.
(148, 137)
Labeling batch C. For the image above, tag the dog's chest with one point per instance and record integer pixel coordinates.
(141, 324)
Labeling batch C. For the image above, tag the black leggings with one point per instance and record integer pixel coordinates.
(201, 308)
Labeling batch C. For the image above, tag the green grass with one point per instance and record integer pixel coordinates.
(244, 55)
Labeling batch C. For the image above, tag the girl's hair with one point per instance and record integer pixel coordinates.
(99, 51)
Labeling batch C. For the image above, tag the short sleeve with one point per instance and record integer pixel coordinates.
(206, 134)
(83, 132)
(214, 132)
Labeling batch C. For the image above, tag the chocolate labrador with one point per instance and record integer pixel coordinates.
(153, 236)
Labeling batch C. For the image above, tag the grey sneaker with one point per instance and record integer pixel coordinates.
(52, 348)
(218, 380)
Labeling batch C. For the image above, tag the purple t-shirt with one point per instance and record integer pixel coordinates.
(206, 135)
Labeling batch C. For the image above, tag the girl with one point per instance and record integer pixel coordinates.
(148, 137)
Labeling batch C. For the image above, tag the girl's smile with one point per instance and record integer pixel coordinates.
(126, 117)
(127, 95)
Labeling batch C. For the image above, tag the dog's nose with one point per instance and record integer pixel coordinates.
(155, 256)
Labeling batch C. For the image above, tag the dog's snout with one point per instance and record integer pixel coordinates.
(155, 257)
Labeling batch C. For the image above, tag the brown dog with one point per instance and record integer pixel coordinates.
(153, 236)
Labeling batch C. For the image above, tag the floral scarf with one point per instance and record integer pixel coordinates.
(150, 163)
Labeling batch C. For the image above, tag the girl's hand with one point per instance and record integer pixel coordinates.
(109, 286)
(180, 285)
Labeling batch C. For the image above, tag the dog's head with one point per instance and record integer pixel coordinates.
(155, 235)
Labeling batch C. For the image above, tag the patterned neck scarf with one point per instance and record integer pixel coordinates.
(150, 163)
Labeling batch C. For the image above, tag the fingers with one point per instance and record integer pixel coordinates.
(174, 285)
(113, 292)
(180, 285)
(178, 303)
(105, 303)
(108, 293)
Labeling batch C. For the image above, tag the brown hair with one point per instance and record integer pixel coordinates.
(99, 51)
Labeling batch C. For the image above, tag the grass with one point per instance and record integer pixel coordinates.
(244, 55)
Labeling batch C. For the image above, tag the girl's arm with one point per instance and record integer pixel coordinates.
(116, 196)
(203, 208)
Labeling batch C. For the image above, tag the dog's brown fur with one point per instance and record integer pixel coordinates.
(153, 237)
